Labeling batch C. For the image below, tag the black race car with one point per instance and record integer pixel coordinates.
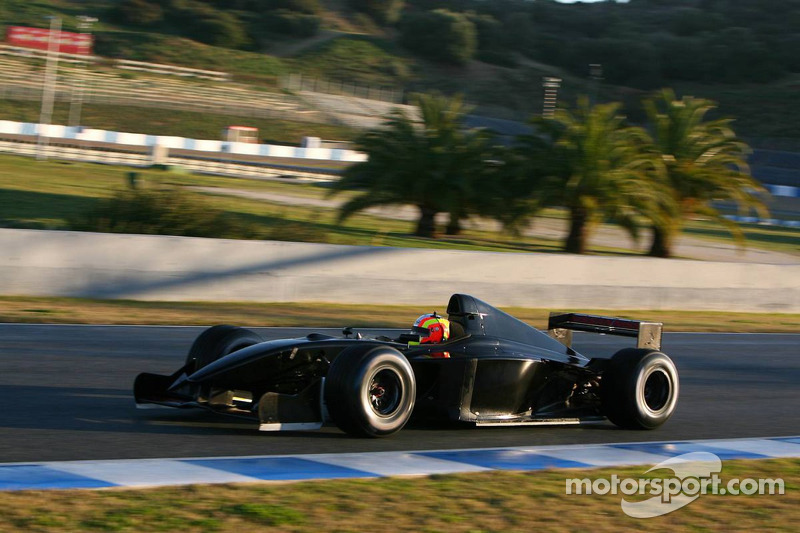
(493, 370)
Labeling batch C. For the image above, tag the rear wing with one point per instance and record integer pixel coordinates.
(561, 326)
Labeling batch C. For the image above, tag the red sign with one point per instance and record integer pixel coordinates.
(68, 42)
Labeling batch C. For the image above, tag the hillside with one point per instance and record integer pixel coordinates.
(735, 52)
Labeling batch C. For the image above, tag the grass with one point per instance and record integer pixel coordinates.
(173, 50)
(355, 59)
(179, 123)
(46, 195)
(490, 501)
(773, 238)
(88, 311)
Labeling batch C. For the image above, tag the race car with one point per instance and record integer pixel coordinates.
(492, 370)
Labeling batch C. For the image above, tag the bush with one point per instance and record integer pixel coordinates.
(139, 13)
(381, 11)
(291, 23)
(440, 35)
(201, 22)
(160, 212)
(309, 7)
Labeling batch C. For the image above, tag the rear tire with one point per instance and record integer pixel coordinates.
(370, 391)
(217, 342)
(639, 388)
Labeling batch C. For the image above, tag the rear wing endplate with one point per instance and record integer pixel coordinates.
(561, 326)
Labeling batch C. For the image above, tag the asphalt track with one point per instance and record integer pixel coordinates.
(65, 394)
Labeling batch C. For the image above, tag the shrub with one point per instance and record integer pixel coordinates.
(291, 23)
(381, 11)
(201, 22)
(440, 35)
(309, 7)
(139, 13)
(160, 212)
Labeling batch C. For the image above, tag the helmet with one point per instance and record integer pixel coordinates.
(439, 328)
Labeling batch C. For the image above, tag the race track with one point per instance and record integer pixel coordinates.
(66, 395)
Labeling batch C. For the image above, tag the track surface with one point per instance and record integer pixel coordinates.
(65, 393)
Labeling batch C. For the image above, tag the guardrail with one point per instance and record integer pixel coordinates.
(172, 70)
(199, 155)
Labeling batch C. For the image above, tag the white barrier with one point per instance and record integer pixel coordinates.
(52, 263)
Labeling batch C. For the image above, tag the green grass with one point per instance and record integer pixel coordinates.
(356, 59)
(488, 501)
(173, 50)
(773, 238)
(46, 195)
(179, 123)
(25, 309)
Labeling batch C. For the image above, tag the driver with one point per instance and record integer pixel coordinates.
(438, 326)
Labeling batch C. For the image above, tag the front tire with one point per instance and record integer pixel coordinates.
(639, 388)
(217, 342)
(370, 391)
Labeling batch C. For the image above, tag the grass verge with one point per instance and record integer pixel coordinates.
(193, 125)
(44, 195)
(491, 501)
(86, 311)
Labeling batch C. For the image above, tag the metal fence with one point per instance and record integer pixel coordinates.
(381, 93)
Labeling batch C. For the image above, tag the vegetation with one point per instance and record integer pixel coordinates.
(588, 161)
(168, 211)
(649, 43)
(438, 167)
(704, 162)
(48, 194)
(193, 125)
(601, 169)
(440, 35)
(86, 311)
(484, 501)
(291, 23)
(734, 52)
(382, 11)
(355, 59)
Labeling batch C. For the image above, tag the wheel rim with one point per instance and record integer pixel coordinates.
(657, 390)
(385, 391)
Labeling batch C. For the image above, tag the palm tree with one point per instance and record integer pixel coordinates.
(704, 163)
(435, 166)
(597, 168)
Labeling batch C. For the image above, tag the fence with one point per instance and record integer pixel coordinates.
(172, 70)
(300, 83)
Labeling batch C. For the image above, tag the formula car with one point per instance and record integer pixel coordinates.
(493, 370)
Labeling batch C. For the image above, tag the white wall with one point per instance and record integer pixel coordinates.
(51, 263)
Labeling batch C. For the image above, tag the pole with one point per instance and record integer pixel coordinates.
(84, 23)
(551, 86)
(596, 75)
(48, 92)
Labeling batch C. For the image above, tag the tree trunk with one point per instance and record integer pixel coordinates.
(426, 225)
(662, 242)
(454, 226)
(576, 239)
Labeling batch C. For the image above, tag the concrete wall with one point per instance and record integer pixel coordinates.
(51, 263)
